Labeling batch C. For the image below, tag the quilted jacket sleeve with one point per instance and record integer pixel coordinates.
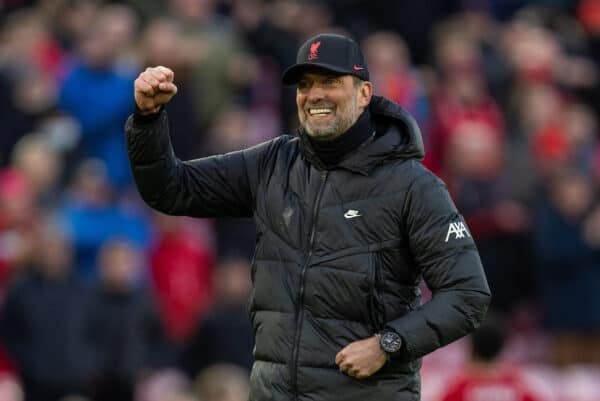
(446, 255)
(222, 185)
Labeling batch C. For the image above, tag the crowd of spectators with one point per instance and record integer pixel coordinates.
(103, 299)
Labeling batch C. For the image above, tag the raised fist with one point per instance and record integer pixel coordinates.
(153, 88)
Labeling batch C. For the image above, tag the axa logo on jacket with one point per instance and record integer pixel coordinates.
(459, 230)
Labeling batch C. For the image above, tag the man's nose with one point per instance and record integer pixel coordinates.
(315, 93)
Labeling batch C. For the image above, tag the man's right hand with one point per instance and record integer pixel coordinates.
(153, 88)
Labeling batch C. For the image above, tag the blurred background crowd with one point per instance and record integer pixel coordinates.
(103, 299)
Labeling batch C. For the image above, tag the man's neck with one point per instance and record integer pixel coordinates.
(331, 152)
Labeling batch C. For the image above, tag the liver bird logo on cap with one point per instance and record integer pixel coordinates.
(314, 51)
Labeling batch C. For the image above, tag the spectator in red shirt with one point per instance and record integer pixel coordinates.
(486, 379)
(181, 264)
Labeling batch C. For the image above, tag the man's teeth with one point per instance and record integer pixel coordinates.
(319, 111)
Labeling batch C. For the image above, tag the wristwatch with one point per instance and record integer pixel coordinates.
(390, 342)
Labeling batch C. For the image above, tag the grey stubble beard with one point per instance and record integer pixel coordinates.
(338, 128)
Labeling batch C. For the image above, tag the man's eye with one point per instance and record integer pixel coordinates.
(303, 85)
(331, 81)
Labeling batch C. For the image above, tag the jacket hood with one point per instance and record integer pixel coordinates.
(393, 119)
(397, 137)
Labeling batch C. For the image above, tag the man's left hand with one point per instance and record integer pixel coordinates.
(362, 358)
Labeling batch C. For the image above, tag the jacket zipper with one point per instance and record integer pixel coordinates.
(300, 310)
(377, 305)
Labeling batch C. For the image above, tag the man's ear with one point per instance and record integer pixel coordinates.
(365, 94)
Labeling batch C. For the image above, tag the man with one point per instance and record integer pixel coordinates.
(486, 377)
(348, 222)
(124, 325)
(43, 321)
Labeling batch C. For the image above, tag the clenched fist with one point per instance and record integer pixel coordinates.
(361, 358)
(153, 88)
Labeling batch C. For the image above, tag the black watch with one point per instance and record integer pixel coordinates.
(390, 342)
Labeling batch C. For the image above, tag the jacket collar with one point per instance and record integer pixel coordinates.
(397, 137)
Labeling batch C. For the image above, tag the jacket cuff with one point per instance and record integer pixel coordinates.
(139, 118)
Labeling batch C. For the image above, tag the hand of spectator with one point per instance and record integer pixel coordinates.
(362, 358)
(153, 88)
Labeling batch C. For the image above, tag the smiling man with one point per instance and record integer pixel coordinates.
(348, 224)
(329, 104)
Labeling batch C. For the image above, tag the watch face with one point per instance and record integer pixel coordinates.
(391, 342)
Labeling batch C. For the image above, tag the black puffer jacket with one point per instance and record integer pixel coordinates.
(339, 253)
